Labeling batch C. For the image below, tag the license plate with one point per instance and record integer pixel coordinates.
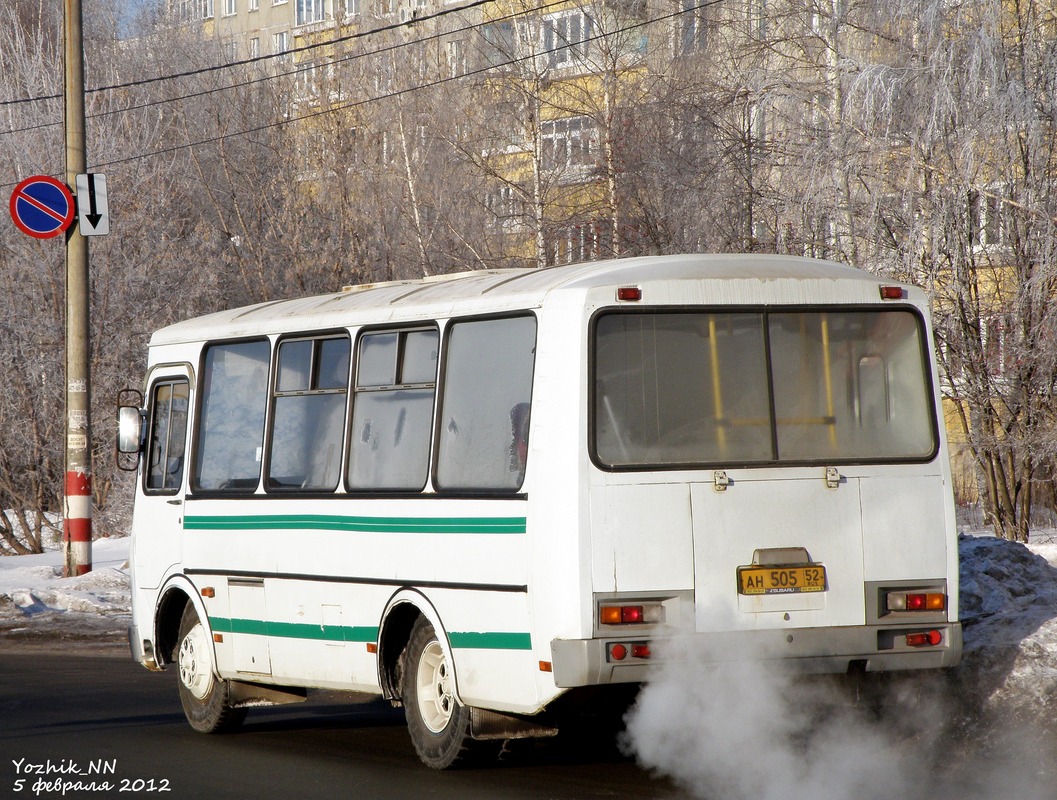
(782, 580)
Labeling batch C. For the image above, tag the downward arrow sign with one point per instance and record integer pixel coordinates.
(92, 205)
(93, 216)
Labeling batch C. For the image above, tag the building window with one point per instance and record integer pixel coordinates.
(568, 143)
(988, 217)
(230, 8)
(194, 10)
(255, 5)
(255, 47)
(308, 11)
(691, 27)
(282, 42)
(504, 203)
(456, 57)
(566, 37)
(498, 49)
(352, 7)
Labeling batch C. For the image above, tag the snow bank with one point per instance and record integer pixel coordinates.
(37, 602)
(1009, 619)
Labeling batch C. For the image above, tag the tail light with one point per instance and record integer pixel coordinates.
(916, 601)
(636, 614)
(622, 651)
(927, 639)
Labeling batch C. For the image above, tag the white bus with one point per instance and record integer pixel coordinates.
(476, 494)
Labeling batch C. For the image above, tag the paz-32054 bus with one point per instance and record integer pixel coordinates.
(477, 493)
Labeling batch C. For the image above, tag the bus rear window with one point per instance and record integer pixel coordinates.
(704, 387)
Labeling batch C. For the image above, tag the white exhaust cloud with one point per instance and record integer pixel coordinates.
(747, 730)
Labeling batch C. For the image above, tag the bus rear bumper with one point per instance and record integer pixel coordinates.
(869, 648)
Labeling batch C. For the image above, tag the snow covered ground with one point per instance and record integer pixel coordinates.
(38, 605)
(991, 721)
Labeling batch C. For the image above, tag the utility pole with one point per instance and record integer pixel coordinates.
(77, 493)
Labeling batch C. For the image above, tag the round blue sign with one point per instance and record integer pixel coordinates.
(42, 206)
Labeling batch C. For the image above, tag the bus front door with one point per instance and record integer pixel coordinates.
(158, 528)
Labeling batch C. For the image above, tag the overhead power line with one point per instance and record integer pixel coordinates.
(376, 98)
(300, 68)
(397, 92)
(259, 59)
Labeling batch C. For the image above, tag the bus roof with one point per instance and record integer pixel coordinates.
(703, 279)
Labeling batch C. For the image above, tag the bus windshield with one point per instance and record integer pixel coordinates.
(785, 386)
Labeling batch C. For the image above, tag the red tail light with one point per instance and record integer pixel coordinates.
(638, 614)
(916, 601)
(929, 639)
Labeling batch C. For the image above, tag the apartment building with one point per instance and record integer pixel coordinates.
(257, 28)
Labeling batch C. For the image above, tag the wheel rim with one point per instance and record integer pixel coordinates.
(196, 671)
(433, 688)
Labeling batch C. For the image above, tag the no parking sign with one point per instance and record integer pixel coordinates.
(42, 207)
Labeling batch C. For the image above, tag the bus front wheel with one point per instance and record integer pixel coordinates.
(203, 695)
(438, 723)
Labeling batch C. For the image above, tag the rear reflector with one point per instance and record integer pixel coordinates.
(929, 639)
(620, 651)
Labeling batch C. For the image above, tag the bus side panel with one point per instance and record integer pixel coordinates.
(307, 582)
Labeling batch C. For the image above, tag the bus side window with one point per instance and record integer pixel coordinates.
(167, 436)
(484, 411)
(230, 429)
(308, 414)
(392, 410)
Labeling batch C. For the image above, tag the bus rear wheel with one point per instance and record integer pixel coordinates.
(438, 723)
(204, 696)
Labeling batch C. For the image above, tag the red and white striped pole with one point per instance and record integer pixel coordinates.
(77, 524)
(77, 505)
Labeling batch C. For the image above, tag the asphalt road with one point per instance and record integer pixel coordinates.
(96, 725)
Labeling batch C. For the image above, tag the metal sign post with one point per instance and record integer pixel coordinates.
(77, 496)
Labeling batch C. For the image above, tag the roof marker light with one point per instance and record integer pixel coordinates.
(629, 293)
(891, 292)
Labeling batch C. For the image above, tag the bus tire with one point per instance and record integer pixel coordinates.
(203, 695)
(438, 723)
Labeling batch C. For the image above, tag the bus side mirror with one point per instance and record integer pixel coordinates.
(129, 429)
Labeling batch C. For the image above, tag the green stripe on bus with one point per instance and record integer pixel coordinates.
(491, 641)
(295, 630)
(328, 522)
(344, 633)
